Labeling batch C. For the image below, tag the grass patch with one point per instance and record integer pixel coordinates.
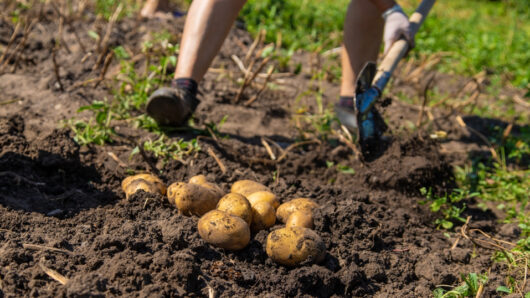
(480, 35)
(299, 24)
(505, 183)
(477, 35)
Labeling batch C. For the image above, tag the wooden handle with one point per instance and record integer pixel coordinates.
(398, 50)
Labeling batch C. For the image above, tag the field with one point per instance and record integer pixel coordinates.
(442, 212)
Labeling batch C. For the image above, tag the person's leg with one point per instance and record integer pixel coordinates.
(151, 7)
(207, 25)
(363, 31)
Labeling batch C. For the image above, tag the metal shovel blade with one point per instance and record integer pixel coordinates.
(348, 116)
(365, 77)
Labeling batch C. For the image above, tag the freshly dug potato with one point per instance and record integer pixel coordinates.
(300, 204)
(224, 230)
(295, 245)
(147, 177)
(263, 216)
(247, 187)
(236, 204)
(140, 184)
(201, 180)
(265, 196)
(192, 199)
(300, 219)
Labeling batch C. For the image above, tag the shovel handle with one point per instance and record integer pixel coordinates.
(398, 50)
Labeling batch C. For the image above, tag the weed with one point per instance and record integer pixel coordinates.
(318, 124)
(167, 149)
(19, 10)
(213, 129)
(518, 263)
(345, 169)
(97, 130)
(506, 184)
(134, 88)
(450, 206)
(472, 284)
(502, 181)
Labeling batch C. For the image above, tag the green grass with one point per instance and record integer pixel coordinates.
(476, 34)
(480, 35)
(310, 25)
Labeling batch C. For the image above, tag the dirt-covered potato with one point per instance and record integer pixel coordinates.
(295, 245)
(147, 177)
(300, 204)
(264, 196)
(263, 216)
(300, 219)
(224, 230)
(236, 204)
(247, 187)
(201, 180)
(192, 199)
(140, 184)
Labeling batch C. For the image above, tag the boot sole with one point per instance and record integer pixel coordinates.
(163, 106)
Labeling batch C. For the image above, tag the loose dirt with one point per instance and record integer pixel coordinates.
(61, 205)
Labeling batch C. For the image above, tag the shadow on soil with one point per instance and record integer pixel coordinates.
(46, 176)
(493, 130)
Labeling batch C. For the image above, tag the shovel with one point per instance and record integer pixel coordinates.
(370, 85)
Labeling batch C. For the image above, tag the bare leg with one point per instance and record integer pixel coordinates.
(363, 31)
(207, 25)
(151, 7)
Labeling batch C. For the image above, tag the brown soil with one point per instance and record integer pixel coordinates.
(66, 199)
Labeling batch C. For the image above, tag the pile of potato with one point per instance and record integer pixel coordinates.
(297, 242)
(226, 220)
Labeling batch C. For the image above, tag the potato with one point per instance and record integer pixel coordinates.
(300, 219)
(265, 196)
(147, 177)
(201, 180)
(140, 184)
(247, 187)
(294, 245)
(300, 204)
(263, 216)
(224, 230)
(192, 199)
(236, 204)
